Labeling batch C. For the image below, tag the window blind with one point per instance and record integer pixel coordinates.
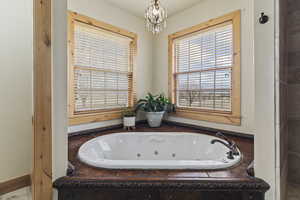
(203, 65)
(102, 69)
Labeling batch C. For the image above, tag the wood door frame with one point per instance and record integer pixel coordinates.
(42, 119)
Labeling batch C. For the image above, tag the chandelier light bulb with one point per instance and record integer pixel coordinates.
(155, 11)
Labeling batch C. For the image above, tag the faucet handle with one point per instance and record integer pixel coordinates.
(231, 143)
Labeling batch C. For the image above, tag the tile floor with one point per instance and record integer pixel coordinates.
(22, 194)
(293, 192)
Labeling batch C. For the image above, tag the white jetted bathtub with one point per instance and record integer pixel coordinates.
(156, 150)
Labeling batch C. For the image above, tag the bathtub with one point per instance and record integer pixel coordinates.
(156, 150)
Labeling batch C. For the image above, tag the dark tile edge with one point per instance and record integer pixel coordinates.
(255, 184)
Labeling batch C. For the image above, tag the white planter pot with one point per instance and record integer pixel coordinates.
(154, 118)
(129, 121)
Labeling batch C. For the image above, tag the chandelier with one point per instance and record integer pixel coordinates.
(156, 17)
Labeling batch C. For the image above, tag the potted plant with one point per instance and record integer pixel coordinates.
(155, 107)
(129, 118)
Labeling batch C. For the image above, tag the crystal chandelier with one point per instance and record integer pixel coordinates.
(156, 17)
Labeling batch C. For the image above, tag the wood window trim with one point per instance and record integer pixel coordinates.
(75, 119)
(233, 117)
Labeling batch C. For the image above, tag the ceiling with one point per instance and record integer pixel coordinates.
(138, 7)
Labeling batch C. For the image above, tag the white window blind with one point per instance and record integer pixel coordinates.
(203, 65)
(102, 69)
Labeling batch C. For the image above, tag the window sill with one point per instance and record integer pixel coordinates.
(224, 118)
(95, 117)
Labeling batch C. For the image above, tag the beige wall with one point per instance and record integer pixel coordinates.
(265, 85)
(204, 11)
(105, 12)
(16, 88)
(59, 93)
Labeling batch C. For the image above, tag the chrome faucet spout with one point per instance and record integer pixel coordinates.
(220, 141)
(221, 135)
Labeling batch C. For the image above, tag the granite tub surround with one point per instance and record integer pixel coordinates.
(82, 170)
(98, 183)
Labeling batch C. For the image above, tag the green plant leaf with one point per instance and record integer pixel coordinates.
(154, 103)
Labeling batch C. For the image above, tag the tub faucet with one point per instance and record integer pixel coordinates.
(233, 150)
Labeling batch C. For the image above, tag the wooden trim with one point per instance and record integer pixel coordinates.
(133, 62)
(100, 70)
(71, 96)
(193, 110)
(14, 184)
(206, 25)
(81, 113)
(210, 117)
(94, 117)
(202, 70)
(171, 79)
(236, 69)
(97, 116)
(42, 160)
(234, 117)
(102, 25)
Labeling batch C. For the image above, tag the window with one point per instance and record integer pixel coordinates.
(205, 70)
(101, 70)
